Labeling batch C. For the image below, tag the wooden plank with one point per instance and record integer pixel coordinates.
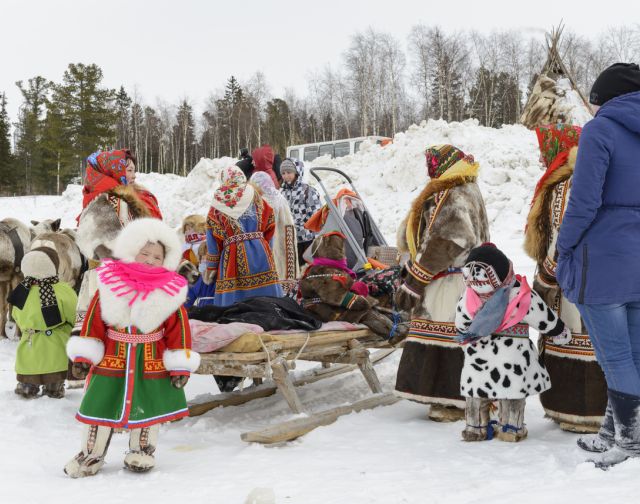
(285, 385)
(244, 396)
(292, 429)
(365, 366)
(293, 341)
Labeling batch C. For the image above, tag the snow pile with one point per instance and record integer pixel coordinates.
(390, 177)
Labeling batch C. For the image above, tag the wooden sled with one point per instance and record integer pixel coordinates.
(348, 350)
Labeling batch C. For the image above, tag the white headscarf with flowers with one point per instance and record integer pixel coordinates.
(233, 196)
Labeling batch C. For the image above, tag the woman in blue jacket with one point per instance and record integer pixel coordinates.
(599, 253)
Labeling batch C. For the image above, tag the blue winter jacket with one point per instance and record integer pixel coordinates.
(599, 241)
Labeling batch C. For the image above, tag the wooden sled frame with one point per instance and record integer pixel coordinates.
(349, 348)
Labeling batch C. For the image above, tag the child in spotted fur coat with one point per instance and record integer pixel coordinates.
(501, 363)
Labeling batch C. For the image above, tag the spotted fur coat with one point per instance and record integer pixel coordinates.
(507, 367)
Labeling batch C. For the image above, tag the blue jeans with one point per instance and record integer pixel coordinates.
(614, 330)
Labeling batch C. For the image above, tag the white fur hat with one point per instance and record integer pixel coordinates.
(137, 233)
(39, 263)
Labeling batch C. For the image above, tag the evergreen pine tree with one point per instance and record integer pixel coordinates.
(6, 157)
(29, 160)
(87, 107)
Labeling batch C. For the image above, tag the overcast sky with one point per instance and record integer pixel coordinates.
(172, 49)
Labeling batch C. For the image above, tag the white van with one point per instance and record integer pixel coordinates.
(335, 148)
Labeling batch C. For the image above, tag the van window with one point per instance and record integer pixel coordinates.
(325, 150)
(294, 153)
(357, 145)
(341, 149)
(310, 153)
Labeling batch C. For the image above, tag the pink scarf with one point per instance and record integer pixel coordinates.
(513, 314)
(138, 278)
(359, 288)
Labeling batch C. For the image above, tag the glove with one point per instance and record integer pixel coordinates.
(80, 370)
(179, 381)
(563, 338)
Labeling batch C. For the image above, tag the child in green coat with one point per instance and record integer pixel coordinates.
(44, 309)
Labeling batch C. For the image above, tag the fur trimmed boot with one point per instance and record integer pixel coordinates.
(626, 419)
(54, 390)
(477, 415)
(445, 413)
(142, 445)
(95, 443)
(27, 390)
(511, 420)
(604, 439)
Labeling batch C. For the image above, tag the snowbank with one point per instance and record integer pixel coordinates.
(388, 178)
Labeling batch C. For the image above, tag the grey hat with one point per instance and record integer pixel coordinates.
(288, 166)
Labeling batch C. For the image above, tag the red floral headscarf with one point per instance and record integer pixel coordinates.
(105, 170)
(555, 141)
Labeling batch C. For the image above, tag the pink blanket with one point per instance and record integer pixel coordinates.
(209, 336)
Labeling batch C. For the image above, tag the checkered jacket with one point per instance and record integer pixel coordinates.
(303, 201)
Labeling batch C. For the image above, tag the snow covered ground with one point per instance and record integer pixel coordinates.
(388, 455)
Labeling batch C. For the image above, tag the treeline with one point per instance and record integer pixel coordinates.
(381, 86)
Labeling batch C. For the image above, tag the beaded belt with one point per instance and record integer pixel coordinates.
(243, 237)
(134, 338)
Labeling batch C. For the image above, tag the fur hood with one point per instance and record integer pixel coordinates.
(538, 232)
(145, 314)
(140, 231)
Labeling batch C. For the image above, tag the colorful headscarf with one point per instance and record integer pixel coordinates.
(555, 141)
(442, 157)
(233, 195)
(112, 164)
(232, 186)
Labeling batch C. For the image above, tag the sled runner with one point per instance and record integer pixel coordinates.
(348, 350)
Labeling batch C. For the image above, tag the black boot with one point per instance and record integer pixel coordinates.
(603, 440)
(626, 418)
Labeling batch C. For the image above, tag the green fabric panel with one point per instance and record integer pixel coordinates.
(39, 353)
(151, 397)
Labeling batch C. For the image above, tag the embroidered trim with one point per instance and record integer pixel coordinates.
(438, 199)
(134, 338)
(310, 302)
(578, 348)
(427, 331)
(549, 266)
(420, 273)
(290, 252)
(214, 258)
(247, 283)
(256, 235)
(348, 300)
